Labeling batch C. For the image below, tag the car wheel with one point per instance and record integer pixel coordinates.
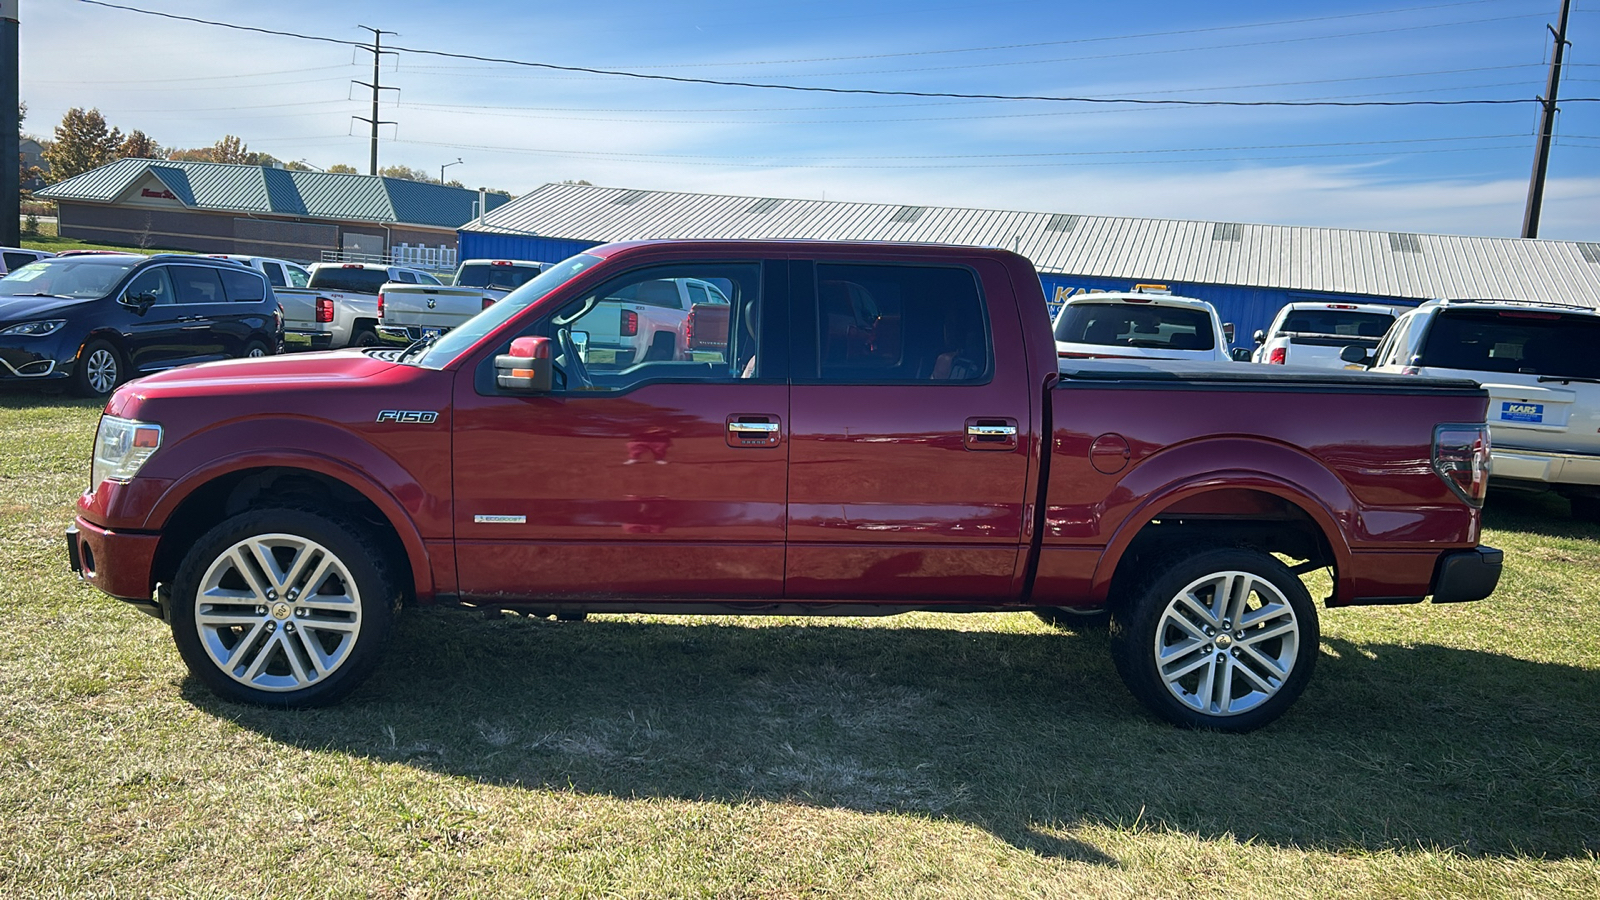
(283, 607)
(255, 349)
(1074, 617)
(99, 370)
(1224, 639)
(366, 337)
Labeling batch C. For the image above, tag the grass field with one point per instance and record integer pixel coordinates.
(1439, 751)
(47, 239)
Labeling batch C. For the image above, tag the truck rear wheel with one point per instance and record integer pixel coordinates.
(283, 607)
(1224, 639)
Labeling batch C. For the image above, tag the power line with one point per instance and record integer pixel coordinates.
(879, 92)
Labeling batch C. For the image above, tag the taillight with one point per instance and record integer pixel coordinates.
(688, 328)
(1461, 457)
(324, 309)
(488, 302)
(381, 304)
(630, 323)
(1279, 356)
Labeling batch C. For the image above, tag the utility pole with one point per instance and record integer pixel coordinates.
(10, 178)
(1547, 124)
(378, 53)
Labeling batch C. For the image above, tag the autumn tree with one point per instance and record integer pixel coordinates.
(138, 145)
(83, 142)
(342, 169)
(407, 173)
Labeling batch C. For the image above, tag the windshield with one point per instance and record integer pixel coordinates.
(458, 339)
(350, 281)
(488, 275)
(1337, 322)
(1135, 325)
(1514, 340)
(75, 277)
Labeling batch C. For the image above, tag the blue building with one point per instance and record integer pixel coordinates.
(1248, 272)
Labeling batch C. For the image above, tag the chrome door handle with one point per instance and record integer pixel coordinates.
(991, 431)
(753, 427)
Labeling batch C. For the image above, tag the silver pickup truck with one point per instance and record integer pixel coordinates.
(409, 312)
(339, 305)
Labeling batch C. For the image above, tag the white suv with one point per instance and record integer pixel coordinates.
(1541, 368)
(1140, 324)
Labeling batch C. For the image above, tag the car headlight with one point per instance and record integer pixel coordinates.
(121, 446)
(35, 329)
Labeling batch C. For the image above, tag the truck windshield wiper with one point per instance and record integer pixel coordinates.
(1566, 378)
(417, 346)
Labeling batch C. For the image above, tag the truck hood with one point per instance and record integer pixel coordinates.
(291, 372)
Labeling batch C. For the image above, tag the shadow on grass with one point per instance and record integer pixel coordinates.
(1544, 514)
(1028, 735)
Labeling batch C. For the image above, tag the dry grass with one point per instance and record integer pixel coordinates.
(1440, 751)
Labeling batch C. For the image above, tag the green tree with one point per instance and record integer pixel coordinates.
(342, 169)
(138, 145)
(83, 142)
(407, 173)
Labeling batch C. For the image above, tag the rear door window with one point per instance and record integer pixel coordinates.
(243, 286)
(297, 276)
(194, 284)
(1531, 342)
(887, 324)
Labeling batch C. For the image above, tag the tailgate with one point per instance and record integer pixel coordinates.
(429, 306)
(1556, 416)
(299, 307)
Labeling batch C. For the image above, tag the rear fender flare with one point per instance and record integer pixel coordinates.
(1189, 470)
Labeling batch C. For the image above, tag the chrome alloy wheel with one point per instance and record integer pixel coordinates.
(1226, 643)
(278, 612)
(256, 352)
(100, 370)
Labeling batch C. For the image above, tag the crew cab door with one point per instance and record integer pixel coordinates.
(910, 433)
(657, 479)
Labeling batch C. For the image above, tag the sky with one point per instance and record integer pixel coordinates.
(1460, 169)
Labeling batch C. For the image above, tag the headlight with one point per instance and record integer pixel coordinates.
(121, 446)
(35, 329)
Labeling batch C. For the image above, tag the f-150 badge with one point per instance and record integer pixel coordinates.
(409, 416)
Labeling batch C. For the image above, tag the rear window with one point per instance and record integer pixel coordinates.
(350, 281)
(243, 286)
(502, 278)
(1134, 325)
(1514, 340)
(1336, 321)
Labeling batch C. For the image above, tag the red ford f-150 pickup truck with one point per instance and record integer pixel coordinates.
(887, 430)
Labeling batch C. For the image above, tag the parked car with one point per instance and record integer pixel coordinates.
(97, 320)
(16, 257)
(1540, 364)
(409, 312)
(650, 319)
(1141, 324)
(1315, 334)
(894, 433)
(339, 305)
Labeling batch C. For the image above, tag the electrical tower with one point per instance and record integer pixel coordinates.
(377, 51)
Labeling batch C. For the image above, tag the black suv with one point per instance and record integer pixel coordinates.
(97, 320)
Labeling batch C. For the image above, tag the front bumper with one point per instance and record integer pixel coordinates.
(1547, 466)
(29, 359)
(118, 563)
(1467, 575)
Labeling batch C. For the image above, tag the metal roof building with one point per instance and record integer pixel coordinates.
(226, 208)
(1247, 271)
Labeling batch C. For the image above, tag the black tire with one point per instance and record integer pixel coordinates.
(100, 368)
(364, 337)
(663, 346)
(255, 349)
(357, 599)
(1263, 661)
(1074, 617)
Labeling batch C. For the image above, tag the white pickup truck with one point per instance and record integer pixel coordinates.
(409, 312)
(1314, 334)
(339, 305)
(651, 319)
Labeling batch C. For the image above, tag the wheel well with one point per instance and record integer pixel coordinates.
(363, 325)
(110, 336)
(1230, 517)
(247, 489)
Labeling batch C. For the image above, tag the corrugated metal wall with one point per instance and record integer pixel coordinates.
(475, 245)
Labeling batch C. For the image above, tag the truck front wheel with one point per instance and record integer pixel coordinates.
(1224, 639)
(283, 607)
